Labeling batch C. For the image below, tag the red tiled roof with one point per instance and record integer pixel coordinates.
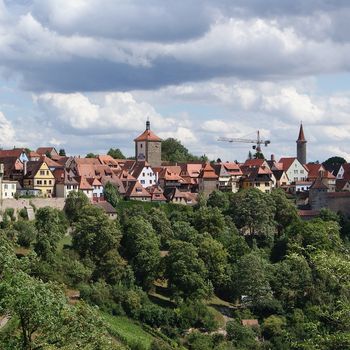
(148, 135)
(135, 189)
(314, 170)
(84, 184)
(16, 152)
(250, 323)
(208, 172)
(44, 150)
(287, 162)
(308, 213)
(254, 162)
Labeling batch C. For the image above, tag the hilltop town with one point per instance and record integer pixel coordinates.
(45, 173)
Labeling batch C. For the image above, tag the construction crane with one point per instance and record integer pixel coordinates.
(257, 142)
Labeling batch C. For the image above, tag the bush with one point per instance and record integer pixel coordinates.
(27, 233)
(241, 336)
(23, 214)
(196, 314)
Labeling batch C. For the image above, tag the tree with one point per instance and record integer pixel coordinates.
(36, 304)
(51, 227)
(183, 231)
(286, 212)
(186, 272)
(27, 233)
(97, 238)
(219, 199)
(253, 212)
(242, 337)
(62, 152)
(75, 202)
(174, 151)
(116, 153)
(161, 226)
(209, 220)
(334, 161)
(91, 155)
(292, 281)
(111, 194)
(215, 259)
(328, 215)
(45, 318)
(252, 278)
(141, 245)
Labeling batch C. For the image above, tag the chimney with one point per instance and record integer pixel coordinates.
(25, 168)
(272, 157)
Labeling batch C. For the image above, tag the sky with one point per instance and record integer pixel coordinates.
(85, 75)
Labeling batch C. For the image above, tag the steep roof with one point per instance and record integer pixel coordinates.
(301, 137)
(106, 206)
(314, 170)
(84, 184)
(135, 189)
(318, 185)
(148, 135)
(208, 172)
(44, 150)
(287, 162)
(278, 174)
(32, 168)
(16, 152)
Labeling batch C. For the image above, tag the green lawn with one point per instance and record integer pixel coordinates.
(128, 331)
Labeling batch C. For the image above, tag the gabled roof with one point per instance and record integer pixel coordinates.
(157, 193)
(148, 135)
(208, 172)
(333, 168)
(108, 160)
(84, 184)
(32, 168)
(254, 162)
(278, 174)
(50, 163)
(287, 162)
(43, 150)
(137, 168)
(135, 189)
(314, 170)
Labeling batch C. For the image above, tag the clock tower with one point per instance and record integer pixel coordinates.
(148, 147)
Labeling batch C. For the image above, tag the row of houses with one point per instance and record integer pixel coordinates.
(45, 173)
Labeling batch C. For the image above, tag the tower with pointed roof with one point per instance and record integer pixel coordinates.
(301, 146)
(148, 147)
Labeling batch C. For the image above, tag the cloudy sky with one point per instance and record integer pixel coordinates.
(84, 75)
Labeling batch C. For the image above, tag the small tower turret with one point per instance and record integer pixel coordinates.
(148, 147)
(301, 146)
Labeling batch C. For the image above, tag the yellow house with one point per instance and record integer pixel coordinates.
(38, 176)
(261, 181)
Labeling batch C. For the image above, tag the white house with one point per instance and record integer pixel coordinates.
(294, 169)
(143, 172)
(8, 189)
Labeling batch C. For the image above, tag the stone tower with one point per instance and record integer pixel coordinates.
(301, 146)
(148, 147)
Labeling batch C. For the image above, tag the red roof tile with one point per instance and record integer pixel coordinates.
(148, 135)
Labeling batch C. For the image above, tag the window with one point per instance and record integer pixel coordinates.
(267, 184)
(143, 174)
(47, 172)
(68, 187)
(257, 184)
(143, 182)
(42, 172)
(150, 181)
(301, 171)
(5, 194)
(295, 171)
(45, 182)
(50, 182)
(5, 187)
(39, 182)
(139, 190)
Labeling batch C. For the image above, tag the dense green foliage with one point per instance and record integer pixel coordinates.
(166, 269)
(116, 153)
(174, 151)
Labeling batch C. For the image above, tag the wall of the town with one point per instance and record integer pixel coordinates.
(19, 204)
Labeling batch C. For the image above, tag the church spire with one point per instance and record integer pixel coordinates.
(301, 146)
(301, 137)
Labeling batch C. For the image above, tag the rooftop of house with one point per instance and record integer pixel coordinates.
(106, 206)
